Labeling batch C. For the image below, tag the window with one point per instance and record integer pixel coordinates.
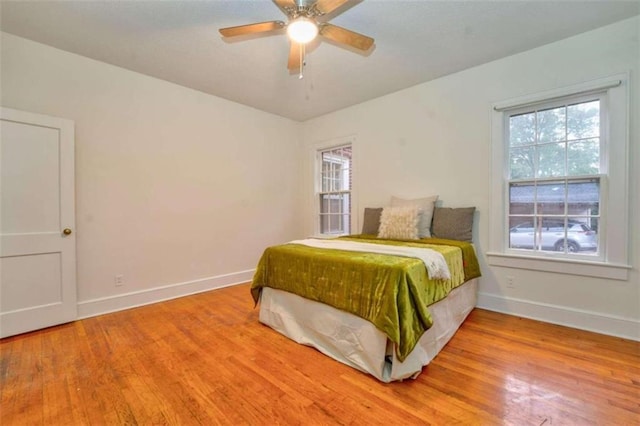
(554, 167)
(334, 190)
(559, 188)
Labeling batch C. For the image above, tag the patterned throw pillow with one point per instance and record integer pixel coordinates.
(400, 223)
(426, 206)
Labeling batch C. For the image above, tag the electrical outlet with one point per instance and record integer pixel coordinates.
(511, 282)
(119, 280)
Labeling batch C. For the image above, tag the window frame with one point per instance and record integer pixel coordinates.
(318, 150)
(601, 176)
(614, 222)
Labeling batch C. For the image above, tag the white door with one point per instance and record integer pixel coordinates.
(37, 239)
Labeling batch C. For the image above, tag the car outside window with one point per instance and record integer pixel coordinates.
(554, 236)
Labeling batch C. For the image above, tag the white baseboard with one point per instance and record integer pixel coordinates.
(119, 302)
(584, 320)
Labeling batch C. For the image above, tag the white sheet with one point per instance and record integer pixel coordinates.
(357, 342)
(434, 261)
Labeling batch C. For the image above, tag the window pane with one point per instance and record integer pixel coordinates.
(346, 205)
(345, 155)
(522, 129)
(583, 198)
(328, 224)
(334, 224)
(583, 120)
(551, 125)
(521, 233)
(324, 175)
(521, 199)
(527, 234)
(334, 204)
(340, 177)
(550, 198)
(324, 223)
(324, 203)
(332, 176)
(552, 234)
(581, 237)
(582, 232)
(583, 157)
(522, 163)
(551, 160)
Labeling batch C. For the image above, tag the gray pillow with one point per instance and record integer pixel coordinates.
(453, 224)
(371, 221)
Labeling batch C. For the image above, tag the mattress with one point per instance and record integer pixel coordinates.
(356, 342)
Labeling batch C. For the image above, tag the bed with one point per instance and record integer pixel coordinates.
(381, 311)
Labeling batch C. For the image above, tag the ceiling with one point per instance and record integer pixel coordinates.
(415, 41)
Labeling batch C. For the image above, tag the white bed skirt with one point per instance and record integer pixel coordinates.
(357, 342)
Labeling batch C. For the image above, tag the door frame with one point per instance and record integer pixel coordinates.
(37, 317)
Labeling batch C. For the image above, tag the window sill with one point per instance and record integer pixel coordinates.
(612, 271)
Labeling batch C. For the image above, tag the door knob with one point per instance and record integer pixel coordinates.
(66, 231)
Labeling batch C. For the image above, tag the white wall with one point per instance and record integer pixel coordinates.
(181, 191)
(176, 190)
(434, 138)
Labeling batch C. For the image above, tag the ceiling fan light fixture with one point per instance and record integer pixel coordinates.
(302, 30)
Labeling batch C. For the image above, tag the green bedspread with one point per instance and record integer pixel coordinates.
(392, 292)
(469, 258)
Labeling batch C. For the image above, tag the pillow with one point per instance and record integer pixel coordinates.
(453, 224)
(371, 221)
(400, 223)
(426, 206)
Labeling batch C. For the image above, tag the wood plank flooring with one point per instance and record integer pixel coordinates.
(205, 359)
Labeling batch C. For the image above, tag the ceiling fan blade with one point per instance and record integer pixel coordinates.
(345, 36)
(286, 6)
(295, 54)
(328, 6)
(260, 27)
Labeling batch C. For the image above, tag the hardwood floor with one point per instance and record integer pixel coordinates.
(205, 359)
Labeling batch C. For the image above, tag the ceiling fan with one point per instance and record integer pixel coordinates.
(306, 20)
